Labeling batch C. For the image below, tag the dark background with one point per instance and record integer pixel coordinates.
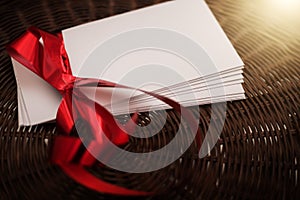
(261, 137)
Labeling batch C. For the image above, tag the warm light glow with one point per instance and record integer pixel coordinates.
(279, 13)
(282, 8)
(284, 15)
(290, 4)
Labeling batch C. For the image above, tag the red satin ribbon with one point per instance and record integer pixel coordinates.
(50, 62)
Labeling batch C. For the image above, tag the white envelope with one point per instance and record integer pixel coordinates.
(38, 101)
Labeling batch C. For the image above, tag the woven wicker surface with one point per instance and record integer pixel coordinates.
(257, 156)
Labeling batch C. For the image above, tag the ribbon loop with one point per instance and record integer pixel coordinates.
(45, 55)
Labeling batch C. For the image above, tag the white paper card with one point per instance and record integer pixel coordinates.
(38, 101)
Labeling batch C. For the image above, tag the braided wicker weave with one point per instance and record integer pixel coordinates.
(257, 156)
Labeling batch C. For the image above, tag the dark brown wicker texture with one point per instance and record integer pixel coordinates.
(257, 156)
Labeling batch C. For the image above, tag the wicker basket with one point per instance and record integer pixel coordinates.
(257, 156)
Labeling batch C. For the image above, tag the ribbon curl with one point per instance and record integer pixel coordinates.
(50, 62)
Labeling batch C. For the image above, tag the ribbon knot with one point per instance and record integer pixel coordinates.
(44, 54)
(67, 83)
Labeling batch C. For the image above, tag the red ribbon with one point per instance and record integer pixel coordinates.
(50, 61)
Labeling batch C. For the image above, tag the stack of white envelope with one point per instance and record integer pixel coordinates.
(176, 49)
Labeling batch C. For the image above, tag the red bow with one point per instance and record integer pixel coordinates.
(50, 62)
